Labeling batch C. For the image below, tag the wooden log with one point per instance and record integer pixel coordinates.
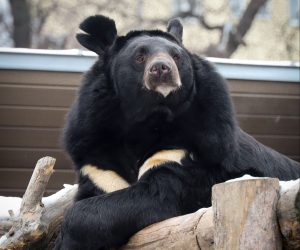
(191, 231)
(288, 214)
(245, 214)
(5, 226)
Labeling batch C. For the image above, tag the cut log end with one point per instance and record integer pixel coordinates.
(245, 214)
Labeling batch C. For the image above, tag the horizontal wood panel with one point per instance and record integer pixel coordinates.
(51, 138)
(27, 157)
(284, 145)
(260, 87)
(30, 137)
(33, 105)
(19, 192)
(40, 77)
(10, 178)
(63, 97)
(73, 79)
(36, 96)
(53, 118)
(270, 125)
(266, 105)
(32, 116)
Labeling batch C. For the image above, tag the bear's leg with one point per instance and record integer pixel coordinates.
(108, 220)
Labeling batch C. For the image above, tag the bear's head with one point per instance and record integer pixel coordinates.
(150, 70)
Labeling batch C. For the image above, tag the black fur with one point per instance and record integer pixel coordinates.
(100, 33)
(116, 124)
(175, 28)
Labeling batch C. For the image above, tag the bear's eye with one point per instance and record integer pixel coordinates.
(140, 58)
(176, 57)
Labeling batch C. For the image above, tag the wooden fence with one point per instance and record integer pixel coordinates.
(34, 102)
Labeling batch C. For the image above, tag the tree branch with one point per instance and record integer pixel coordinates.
(22, 31)
(37, 222)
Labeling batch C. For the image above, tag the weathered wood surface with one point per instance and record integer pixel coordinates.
(245, 215)
(191, 231)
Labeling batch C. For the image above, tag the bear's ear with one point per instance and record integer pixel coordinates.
(100, 33)
(175, 28)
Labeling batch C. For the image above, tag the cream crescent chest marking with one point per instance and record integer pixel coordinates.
(107, 180)
(161, 157)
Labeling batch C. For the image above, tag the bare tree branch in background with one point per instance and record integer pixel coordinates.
(236, 37)
(54, 23)
(42, 13)
(22, 20)
(231, 37)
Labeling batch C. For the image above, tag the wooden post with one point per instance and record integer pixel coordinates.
(245, 215)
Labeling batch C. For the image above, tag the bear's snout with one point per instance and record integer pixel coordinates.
(161, 74)
(160, 69)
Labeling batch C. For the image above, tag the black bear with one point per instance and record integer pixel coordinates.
(151, 130)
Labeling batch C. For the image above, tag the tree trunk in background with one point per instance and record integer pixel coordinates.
(20, 10)
(244, 25)
(235, 34)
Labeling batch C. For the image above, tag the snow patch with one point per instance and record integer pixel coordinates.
(246, 177)
(14, 203)
(286, 185)
(52, 198)
(9, 203)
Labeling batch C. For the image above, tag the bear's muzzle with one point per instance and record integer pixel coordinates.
(161, 74)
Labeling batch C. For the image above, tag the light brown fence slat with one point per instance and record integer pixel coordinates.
(40, 77)
(32, 116)
(54, 118)
(27, 158)
(261, 87)
(31, 137)
(19, 192)
(36, 95)
(266, 105)
(270, 125)
(33, 105)
(284, 145)
(52, 139)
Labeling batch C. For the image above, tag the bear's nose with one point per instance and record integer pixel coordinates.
(160, 68)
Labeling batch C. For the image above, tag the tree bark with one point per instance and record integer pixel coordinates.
(245, 23)
(245, 214)
(191, 231)
(236, 34)
(20, 10)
